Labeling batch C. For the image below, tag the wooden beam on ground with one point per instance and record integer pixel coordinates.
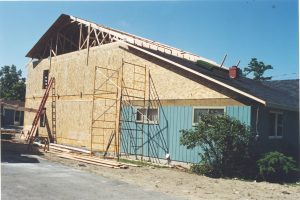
(70, 148)
(86, 161)
(98, 160)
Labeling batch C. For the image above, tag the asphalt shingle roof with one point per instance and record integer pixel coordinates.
(282, 93)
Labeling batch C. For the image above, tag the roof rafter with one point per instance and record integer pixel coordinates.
(65, 20)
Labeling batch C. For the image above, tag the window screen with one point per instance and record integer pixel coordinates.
(143, 114)
(199, 111)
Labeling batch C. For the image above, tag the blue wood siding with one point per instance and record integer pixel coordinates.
(155, 136)
(242, 113)
(164, 137)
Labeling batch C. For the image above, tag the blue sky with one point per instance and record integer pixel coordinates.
(266, 29)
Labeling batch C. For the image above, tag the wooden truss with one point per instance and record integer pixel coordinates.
(72, 34)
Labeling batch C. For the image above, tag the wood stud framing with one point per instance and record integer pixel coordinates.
(78, 34)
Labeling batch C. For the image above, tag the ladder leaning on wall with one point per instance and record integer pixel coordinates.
(32, 133)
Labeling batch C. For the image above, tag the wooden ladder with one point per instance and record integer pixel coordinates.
(53, 112)
(31, 136)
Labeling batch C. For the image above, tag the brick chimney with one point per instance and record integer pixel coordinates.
(233, 72)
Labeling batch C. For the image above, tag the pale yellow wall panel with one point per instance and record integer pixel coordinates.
(74, 77)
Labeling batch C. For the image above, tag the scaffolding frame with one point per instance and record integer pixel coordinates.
(104, 126)
(122, 93)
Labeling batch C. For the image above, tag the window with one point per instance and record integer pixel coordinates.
(275, 124)
(142, 114)
(45, 78)
(43, 118)
(213, 110)
(17, 117)
(3, 112)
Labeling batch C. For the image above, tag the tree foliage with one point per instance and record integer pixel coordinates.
(276, 167)
(225, 144)
(258, 68)
(12, 85)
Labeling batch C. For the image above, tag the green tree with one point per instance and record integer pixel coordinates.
(258, 69)
(277, 167)
(12, 84)
(224, 144)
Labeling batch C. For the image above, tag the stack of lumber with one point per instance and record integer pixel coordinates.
(95, 161)
(82, 155)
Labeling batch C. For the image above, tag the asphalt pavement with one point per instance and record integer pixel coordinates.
(30, 177)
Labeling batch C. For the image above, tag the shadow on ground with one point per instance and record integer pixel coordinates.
(14, 151)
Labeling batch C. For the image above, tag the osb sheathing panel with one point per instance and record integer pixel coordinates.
(74, 87)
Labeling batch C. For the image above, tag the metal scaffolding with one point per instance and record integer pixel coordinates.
(123, 101)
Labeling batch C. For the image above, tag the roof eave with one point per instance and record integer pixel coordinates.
(282, 107)
(257, 99)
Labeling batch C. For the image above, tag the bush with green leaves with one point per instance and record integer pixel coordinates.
(277, 167)
(225, 144)
(204, 169)
(12, 84)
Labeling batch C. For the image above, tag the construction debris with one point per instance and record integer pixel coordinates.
(180, 167)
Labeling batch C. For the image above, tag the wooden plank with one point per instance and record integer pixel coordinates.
(70, 148)
(86, 161)
(114, 163)
(132, 165)
(80, 35)
(52, 147)
(60, 149)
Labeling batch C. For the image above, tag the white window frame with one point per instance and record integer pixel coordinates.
(145, 118)
(275, 136)
(205, 107)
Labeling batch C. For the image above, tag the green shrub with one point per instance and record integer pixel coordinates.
(276, 167)
(225, 144)
(204, 169)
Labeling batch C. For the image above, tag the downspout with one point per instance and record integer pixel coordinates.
(256, 124)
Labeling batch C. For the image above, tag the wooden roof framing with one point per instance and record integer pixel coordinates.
(69, 33)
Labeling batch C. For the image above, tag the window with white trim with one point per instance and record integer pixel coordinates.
(209, 110)
(151, 113)
(275, 124)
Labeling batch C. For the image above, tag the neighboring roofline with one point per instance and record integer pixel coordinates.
(200, 74)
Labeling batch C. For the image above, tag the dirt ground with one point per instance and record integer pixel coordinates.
(185, 185)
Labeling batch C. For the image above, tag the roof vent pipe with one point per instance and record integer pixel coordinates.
(233, 72)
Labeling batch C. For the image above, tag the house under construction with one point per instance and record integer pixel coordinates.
(113, 92)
